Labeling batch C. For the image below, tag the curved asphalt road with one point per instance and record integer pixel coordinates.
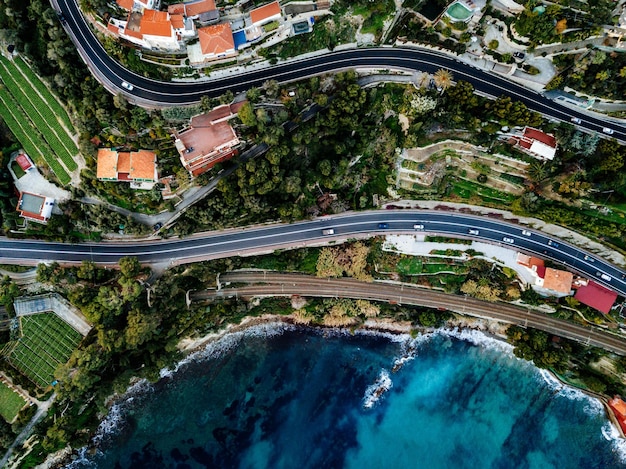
(148, 92)
(275, 284)
(248, 241)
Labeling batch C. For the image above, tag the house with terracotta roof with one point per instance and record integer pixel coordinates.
(618, 406)
(535, 143)
(208, 140)
(202, 10)
(35, 207)
(557, 281)
(137, 167)
(266, 14)
(215, 42)
(139, 4)
(534, 264)
(152, 29)
(596, 296)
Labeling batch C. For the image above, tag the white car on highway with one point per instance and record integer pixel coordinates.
(508, 240)
(127, 85)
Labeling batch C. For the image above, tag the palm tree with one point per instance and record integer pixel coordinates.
(443, 79)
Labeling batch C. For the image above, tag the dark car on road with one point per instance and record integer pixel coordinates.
(383, 226)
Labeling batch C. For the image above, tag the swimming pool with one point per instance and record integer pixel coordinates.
(239, 38)
(459, 12)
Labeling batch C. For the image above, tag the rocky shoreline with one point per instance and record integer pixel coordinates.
(192, 347)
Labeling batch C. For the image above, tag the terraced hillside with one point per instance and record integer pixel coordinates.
(37, 118)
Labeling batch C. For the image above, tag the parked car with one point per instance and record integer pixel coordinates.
(418, 227)
(526, 233)
(508, 240)
(576, 120)
(608, 131)
(519, 55)
(383, 226)
(127, 85)
(157, 226)
(473, 231)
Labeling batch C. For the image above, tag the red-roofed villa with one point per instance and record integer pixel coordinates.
(209, 140)
(536, 143)
(597, 296)
(265, 14)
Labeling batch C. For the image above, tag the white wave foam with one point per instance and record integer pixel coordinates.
(374, 391)
(592, 405)
(228, 342)
(477, 338)
(611, 434)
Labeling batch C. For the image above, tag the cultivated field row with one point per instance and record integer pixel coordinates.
(26, 90)
(32, 142)
(40, 114)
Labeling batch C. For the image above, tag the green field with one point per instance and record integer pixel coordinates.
(10, 402)
(46, 342)
(37, 118)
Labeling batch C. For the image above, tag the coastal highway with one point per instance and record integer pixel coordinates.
(272, 284)
(267, 238)
(153, 93)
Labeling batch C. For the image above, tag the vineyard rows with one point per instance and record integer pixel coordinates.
(32, 142)
(41, 115)
(45, 92)
(45, 132)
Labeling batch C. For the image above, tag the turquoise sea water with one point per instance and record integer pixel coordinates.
(276, 397)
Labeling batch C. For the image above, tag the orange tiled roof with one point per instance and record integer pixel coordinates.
(197, 8)
(216, 39)
(114, 29)
(126, 4)
(155, 23)
(266, 11)
(619, 406)
(178, 9)
(558, 280)
(192, 8)
(177, 21)
(123, 162)
(107, 164)
(142, 164)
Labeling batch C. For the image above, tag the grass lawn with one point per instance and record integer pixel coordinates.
(10, 402)
(410, 265)
(17, 169)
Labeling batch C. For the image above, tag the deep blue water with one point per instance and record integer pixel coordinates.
(299, 399)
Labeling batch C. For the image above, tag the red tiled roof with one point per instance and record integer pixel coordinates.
(541, 271)
(155, 23)
(126, 4)
(619, 406)
(114, 29)
(266, 11)
(216, 39)
(538, 135)
(23, 161)
(596, 296)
